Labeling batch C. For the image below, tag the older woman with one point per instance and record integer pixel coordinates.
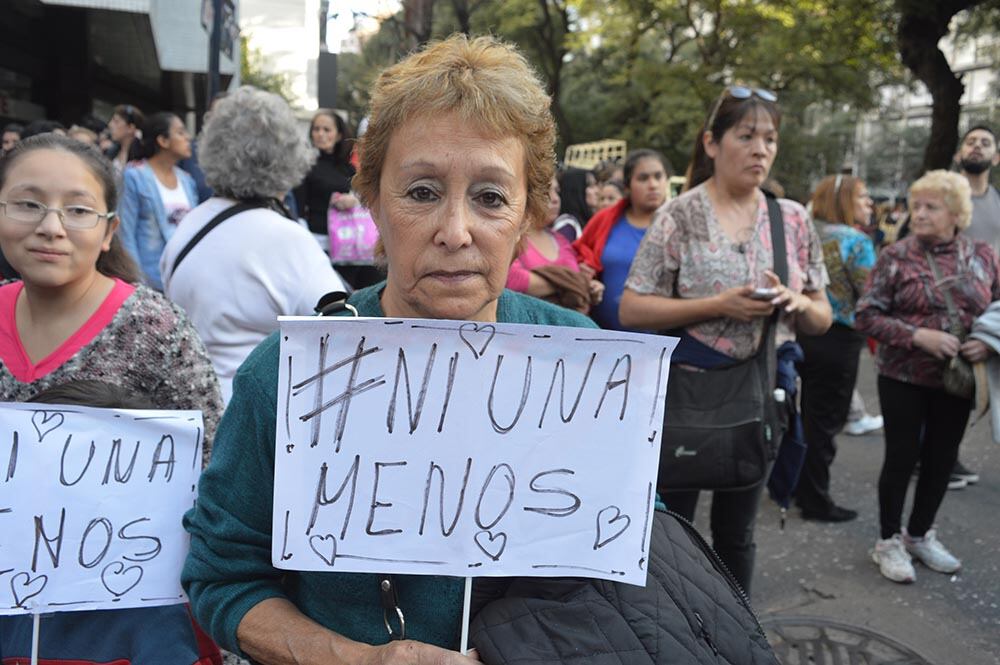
(696, 272)
(271, 265)
(924, 294)
(455, 167)
(830, 367)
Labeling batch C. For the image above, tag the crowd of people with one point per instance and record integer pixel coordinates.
(138, 258)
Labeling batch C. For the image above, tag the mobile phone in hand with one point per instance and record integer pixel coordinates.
(764, 294)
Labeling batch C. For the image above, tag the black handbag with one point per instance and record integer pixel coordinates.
(721, 427)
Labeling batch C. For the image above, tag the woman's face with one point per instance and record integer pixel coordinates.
(610, 195)
(451, 204)
(555, 202)
(324, 133)
(120, 129)
(648, 186)
(743, 157)
(862, 205)
(47, 254)
(930, 219)
(177, 141)
(593, 192)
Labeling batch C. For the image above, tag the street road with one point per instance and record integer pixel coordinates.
(825, 570)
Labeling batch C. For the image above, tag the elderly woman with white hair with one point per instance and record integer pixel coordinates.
(238, 260)
(923, 295)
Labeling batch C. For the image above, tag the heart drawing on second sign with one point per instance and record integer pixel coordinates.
(118, 579)
(469, 330)
(606, 529)
(492, 545)
(46, 422)
(24, 587)
(327, 551)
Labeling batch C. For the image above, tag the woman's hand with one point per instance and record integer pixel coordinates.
(791, 301)
(938, 343)
(976, 351)
(409, 652)
(342, 201)
(596, 292)
(587, 271)
(736, 303)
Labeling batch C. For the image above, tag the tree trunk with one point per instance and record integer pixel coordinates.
(921, 24)
(418, 17)
(462, 14)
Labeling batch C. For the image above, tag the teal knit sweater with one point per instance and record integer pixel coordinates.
(229, 570)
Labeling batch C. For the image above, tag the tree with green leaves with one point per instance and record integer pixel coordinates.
(253, 72)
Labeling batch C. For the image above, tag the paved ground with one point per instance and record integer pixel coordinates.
(826, 570)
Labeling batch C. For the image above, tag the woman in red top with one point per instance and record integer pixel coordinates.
(906, 309)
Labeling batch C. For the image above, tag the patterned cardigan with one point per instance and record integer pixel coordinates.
(902, 296)
(149, 348)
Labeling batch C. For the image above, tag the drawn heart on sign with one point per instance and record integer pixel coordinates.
(492, 546)
(606, 529)
(45, 422)
(118, 579)
(24, 587)
(327, 551)
(469, 331)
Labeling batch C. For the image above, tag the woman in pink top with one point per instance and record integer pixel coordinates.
(77, 312)
(541, 248)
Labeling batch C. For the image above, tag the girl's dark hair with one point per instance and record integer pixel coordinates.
(573, 192)
(156, 125)
(132, 116)
(633, 158)
(345, 142)
(98, 394)
(729, 113)
(115, 262)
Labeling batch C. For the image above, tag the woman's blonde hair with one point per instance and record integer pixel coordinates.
(833, 200)
(953, 188)
(486, 83)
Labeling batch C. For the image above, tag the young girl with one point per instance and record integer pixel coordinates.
(77, 312)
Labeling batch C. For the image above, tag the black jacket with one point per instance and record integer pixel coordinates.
(328, 175)
(690, 611)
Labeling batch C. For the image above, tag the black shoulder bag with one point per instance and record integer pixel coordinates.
(721, 427)
(231, 211)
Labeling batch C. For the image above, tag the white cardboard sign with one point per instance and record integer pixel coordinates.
(91, 502)
(455, 448)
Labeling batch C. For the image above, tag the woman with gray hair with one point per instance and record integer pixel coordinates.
(238, 261)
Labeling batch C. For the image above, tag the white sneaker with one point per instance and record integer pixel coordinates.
(893, 561)
(864, 425)
(929, 551)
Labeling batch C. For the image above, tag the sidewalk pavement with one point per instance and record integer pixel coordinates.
(825, 570)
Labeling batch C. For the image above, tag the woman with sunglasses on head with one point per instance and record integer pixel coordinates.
(157, 194)
(697, 270)
(830, 369)
(78, 313)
